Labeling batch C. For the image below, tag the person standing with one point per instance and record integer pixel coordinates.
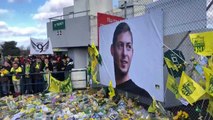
(16, 71)
(69, 67)
(27, 77)
(4, 80)
(38, 76)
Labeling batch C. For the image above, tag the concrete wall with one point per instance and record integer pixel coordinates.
(75, 34)
(68, 10)
(92, 6)
(99, 6)
(79, 56)
(79, 6)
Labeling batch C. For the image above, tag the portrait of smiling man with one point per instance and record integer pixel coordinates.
(122, 52)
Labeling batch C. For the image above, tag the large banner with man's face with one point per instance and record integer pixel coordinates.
(132, 54)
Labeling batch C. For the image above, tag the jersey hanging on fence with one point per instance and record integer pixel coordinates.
(202, 43)
(40, 46)
(177, 60)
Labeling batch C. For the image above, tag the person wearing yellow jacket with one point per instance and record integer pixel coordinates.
(16, 70)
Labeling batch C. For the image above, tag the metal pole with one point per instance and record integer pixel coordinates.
(184, 38)
(125, 6)
(210, 4)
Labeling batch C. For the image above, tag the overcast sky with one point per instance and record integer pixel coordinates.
(22, 19)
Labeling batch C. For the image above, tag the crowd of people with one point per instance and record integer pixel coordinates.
(25, 75)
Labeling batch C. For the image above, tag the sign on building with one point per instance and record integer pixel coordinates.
(59, 25)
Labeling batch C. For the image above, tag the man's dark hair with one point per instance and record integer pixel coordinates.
(121, 28)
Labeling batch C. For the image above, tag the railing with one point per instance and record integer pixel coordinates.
(37, 83)
(69, 15)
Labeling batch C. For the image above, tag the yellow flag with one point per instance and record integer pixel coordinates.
(94, 78)
(172, 85)
(210, 107)
(66, 85)
(210, 62)
(189, 89)
(202, 83)
(152, 108)
(54, 85)
(202, 43)
(95, 49)
(209, 80)
(94, 63)
(111, 90)
(90, 51)
(170, 64)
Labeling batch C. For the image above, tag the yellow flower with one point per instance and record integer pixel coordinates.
(125, 119)
(186, 115)
(179, 113)
(22, 110)
(59, 118)
(66, 116)
(130, 112)
(175, 117)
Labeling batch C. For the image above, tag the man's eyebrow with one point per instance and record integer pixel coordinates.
(120, 42)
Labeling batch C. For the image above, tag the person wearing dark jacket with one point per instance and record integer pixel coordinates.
(37, 76)
(7, 65)
(27, 77)
(4, 80)
(69, 66)
(60, 67)
(47, 64)
(46, 67)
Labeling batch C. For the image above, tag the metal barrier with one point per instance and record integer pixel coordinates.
(37, 83)
(79, 78)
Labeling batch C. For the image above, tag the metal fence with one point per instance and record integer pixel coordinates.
(37, 82)
(176, 37)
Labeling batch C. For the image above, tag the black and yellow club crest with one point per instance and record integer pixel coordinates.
(188, 88)
(199, 44)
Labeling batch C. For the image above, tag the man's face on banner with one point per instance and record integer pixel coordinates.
(122, 52)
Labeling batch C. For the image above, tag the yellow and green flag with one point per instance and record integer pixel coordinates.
(153, 107)
(170, 64)
(172, 85)
(209, 80)
(54, 85)
(94, 78)
(66, 85)
(59, 86)
(210, 62)
(90, 51)
(189, 89)
(111, 90)
(202, 43)
(94, 64)
(95, 49)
